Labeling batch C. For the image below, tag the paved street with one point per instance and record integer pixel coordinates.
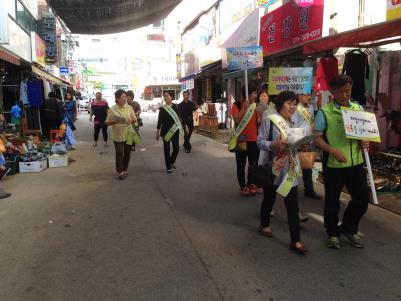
(78, 233)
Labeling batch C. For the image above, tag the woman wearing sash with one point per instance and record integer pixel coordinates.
(169, 127)
(120, 117)
(272, 138)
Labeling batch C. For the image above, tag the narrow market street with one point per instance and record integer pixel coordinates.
(78, 233)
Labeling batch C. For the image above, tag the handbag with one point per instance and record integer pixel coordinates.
(307, 159)
(132, 136)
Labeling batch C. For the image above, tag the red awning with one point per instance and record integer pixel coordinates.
(355, 38)
(8, 57)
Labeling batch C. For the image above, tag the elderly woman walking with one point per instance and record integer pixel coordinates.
(121, 117)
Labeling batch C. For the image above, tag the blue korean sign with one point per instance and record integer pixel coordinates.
(64, 70)
(245, 58)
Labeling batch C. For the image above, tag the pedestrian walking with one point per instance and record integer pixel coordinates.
(343, 165)
(121, 117)
(169, 127)
(187, 109)
(70, 107)
(98, 109)
(243, 143)
(283, 168)
(137, 109)
(303, 118)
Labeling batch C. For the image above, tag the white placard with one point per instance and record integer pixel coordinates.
(360, 125)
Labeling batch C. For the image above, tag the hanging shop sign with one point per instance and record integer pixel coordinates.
(291, 25)
(49, 35)
(298, 80)
(360, 125)
(19, 41)
(393, 9)
(64, 70)
(38, 49)
(244, 58)
(188, 84)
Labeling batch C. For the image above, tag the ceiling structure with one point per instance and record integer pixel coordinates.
(110, 16)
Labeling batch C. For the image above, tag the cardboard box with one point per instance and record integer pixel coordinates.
(58, 161)
(34, 166)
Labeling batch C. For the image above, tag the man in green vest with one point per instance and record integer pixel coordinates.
(343, 165)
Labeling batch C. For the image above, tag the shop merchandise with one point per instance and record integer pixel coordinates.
(33, 156)
(356, 66)
(35, 93)
(326, 70)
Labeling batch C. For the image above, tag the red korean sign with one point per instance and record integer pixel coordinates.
(291, 25)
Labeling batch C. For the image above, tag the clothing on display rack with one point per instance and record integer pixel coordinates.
(356, 66)
(35, 93)
(24, 92)
(326, 70)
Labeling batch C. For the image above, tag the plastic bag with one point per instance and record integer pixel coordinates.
(58, 148)
(69, 136)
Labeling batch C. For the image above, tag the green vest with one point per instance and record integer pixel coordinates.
(335, 136)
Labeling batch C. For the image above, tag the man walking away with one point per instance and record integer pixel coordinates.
(187, 108)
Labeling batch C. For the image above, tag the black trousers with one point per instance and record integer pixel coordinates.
(307, 179)
(354, 178)
(97, 129)
(123, 155)
(187, 138)
(48, 125)
(252, 154)
(170, 158)
(291, 203)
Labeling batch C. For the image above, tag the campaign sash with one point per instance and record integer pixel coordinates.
(304, 113)
(235, 133)
(176, 126)
(294, 169)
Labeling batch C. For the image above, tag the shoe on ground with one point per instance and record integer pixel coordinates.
(313, 195)
(302, 217)
(245, 191)
(4, 194)
(174, 166)
(252, 189)
(334, 243)
(187, 151)
(300, 249)
(94, 144)
(272, 214)
(264, 232)
(169, 171)
(133, 148)
(354, 239)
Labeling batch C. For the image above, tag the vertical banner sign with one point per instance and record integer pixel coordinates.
(291, 25)
(298, 80)
(49, 35)
(244, 58)
(393, 9)
(362, 126)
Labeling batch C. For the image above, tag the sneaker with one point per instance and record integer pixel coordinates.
(245, 191)
(302, 217)
(252, 189)
(169, 171)
(174, 166)
(334, 243)
(354, 239)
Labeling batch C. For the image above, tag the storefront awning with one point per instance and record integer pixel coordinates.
(372, 36)
(8, 57)
(49, 76)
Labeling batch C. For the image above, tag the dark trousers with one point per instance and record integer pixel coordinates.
(307, 179)
(251, 153)
(123, 155)
(48, 125)
(187, 138)
(99, 127)
(354, 178)
(170, 158)
(291, 203)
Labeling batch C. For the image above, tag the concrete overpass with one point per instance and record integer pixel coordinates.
(110, 16)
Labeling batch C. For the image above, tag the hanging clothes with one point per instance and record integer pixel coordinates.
(35, 93)
(46, 88)
(356, 66)
(24, 92)
(326, 70)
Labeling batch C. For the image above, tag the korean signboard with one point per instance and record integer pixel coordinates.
(360, 125)
(298, 80)
(38, 49)
(244, 58)
(291, 25)
(49, 35)
(393, 9)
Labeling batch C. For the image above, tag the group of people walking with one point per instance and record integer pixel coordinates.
(262, 137)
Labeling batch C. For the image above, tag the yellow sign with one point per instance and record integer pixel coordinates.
(393, 9)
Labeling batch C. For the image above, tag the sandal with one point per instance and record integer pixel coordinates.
(125, 174)
(300, 249)
(121, 176)
(245, 191)
(252, 189)
(266, 233)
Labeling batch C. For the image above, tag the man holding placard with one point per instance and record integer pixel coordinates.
(343, 165)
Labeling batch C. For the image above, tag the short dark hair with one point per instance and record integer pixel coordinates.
(185, 91)
(283, 97)
(251, 88)
(260, 93)
(130, 93)
(118, 93)
(169, 93)
(52, 95)
(340, 81)
(98, 92)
